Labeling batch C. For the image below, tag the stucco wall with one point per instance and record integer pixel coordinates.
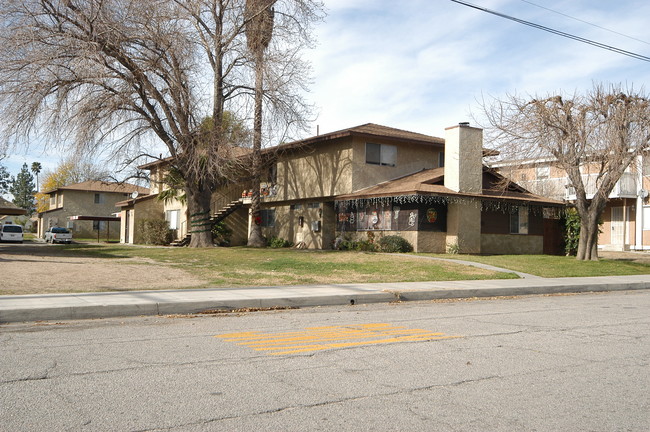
(464, 226)
(315, 172)
(82, 203)
(287, 224)
(411, 158)
(514, 244)
(145, 209)
(463, 162)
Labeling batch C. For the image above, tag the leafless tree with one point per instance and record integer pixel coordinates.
(128, 74)
(593, 137)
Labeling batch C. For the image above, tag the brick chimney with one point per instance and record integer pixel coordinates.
(464, 158)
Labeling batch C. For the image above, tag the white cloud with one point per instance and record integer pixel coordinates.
(422, 64)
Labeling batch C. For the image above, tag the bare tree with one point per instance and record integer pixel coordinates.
(129, 74)
(600, 133)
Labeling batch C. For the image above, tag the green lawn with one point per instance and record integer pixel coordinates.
(559, 266)
(239, 266)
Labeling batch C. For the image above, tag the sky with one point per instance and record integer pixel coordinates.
(424, 65)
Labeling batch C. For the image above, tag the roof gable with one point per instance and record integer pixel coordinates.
(101, 186)
(431, 182)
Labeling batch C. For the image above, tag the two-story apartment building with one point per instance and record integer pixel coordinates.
(435, 192)
(626, 219)
(87, 208)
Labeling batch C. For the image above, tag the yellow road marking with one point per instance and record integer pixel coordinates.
(330, 337)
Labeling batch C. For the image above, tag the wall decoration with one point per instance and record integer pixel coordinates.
(412, 219)
(432, 215)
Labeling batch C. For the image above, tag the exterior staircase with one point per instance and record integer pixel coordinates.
(226, 211)
(217, 217)
(182, 242)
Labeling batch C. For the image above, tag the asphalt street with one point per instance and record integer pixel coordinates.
(545, 363)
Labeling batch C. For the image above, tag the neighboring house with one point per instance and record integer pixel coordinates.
(87, 208)
(626, 219)
(374, 179)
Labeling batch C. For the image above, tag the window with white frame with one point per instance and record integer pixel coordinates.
(519, 221)
(173, 218)
(381, 154)
(100, 198)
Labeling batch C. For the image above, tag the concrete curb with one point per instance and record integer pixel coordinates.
(136, 303)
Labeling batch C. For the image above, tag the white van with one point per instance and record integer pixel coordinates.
(11, 233)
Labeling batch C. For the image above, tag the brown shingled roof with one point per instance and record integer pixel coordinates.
(368, 130)
(101, 186)
(430, 182)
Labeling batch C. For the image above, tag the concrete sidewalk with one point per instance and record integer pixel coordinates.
(134, 303)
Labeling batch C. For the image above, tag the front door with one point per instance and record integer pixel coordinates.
(618, 228)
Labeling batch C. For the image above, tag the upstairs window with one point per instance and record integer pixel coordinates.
(543, 172)
(99, 198)
(519, 221)
(381, 154)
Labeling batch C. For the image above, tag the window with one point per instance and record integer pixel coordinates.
(99, 225)
(441, 159)
(381, 154)
(53, 201)
(313, 205)
(172, 217)
(543, 172)
(99, 198)
(268, 218)
(519, 221)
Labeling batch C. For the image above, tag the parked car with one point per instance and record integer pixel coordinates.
(58, 235)
(11, 233)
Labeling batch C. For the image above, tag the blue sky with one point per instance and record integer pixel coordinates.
(421, 65)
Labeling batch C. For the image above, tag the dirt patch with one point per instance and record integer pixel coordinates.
(638, 257)
(35, 269)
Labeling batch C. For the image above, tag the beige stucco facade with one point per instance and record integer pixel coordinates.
(130, 219)
(626, 219)
(301, 195)
(67, 203)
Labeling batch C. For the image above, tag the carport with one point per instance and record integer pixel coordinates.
(10, 209)
(98, 219)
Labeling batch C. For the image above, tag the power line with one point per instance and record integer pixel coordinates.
(585, 22)
(558, 32)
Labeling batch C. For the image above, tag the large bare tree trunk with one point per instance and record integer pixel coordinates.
(198, 209)
(588, 243)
